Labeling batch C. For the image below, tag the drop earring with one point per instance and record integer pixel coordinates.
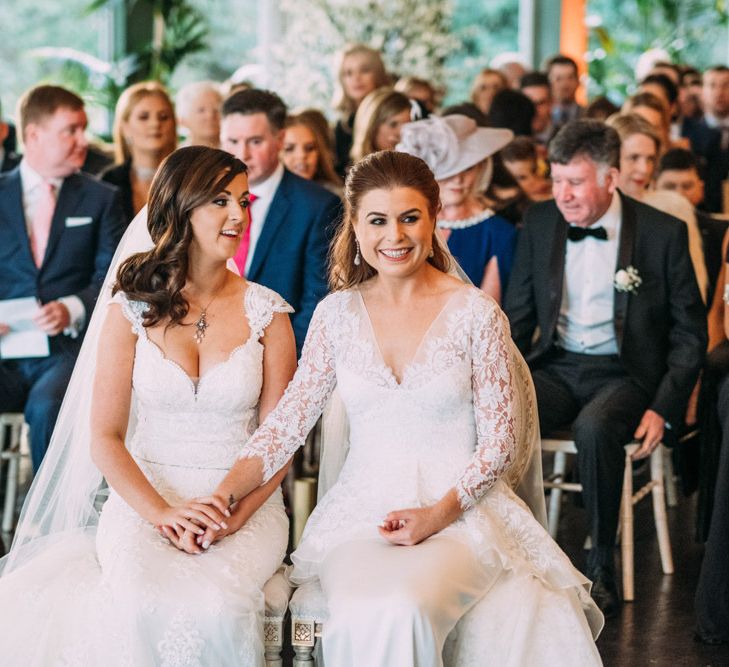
(431, 254)
(357, 256)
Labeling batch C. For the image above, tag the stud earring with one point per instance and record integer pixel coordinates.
(431, 254)
(357, 257)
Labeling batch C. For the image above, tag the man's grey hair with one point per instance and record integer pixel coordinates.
(591, 139)
(187, 94)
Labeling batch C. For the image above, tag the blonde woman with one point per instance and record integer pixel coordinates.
(359, 72)
(378, 122)
(145, 133)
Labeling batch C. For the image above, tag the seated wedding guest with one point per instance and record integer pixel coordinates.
(654, 110)
(378, 122)
(512, 110)
(8, 158)
(59, 230)
(709, 135)
(198, 113)
(307, 149)
(564, 79)
(360, 71)
(481, 241)
(712, 591)
(145, 132)
(513, 65)
(601, 108)
(292, 219)
(639, 150)
(535, 86)
(666, 89)
(487, 83)
(520, 157)
(423, 364)
(689, 94)
(617, 354)
(122, 583)
(678, 172)
(420, 90)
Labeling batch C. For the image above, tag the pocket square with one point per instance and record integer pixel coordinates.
(79, 221)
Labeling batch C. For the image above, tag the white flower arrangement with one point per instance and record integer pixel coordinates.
(627, 280)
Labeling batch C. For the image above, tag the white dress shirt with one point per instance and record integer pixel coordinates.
(264, 192)
(31, 182)
(586, 317)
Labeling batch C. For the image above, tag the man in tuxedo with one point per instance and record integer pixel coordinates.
(292, 219)
(58, 232)
(608, 283)
(709, 135)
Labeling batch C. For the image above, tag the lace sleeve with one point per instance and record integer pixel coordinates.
(287, 425)
(493, 397)
(132, 310)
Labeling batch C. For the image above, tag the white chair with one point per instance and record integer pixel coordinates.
(562, 444)
(276, 592)
(13, 445)
(308, 605)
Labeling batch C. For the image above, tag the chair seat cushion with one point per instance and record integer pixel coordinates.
(308, 602)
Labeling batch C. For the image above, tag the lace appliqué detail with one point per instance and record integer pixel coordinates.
(182, 645)
(493, 397)
(132, 310)
(261, 304)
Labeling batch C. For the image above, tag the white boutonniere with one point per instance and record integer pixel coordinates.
(627, 280)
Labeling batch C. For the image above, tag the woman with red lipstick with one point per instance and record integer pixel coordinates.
(145, 133)
(458, 152)
(180, 361)
(421, 525)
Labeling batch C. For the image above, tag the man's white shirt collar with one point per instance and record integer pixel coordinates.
(31, 179)
(267, 188)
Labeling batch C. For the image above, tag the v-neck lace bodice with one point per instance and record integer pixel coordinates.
(198, 422)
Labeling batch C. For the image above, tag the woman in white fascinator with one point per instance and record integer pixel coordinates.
(459, 154)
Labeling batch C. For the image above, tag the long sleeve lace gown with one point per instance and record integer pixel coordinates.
(445, 424)
(126, 596)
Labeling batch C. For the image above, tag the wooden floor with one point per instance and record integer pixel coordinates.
(656, 629)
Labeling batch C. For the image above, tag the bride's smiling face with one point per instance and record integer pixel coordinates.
(395, 230)
(218, 226)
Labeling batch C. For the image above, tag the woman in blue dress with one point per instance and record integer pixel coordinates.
(458, 152)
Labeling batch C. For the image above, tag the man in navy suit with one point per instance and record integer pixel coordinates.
(292, 219)
(58, 232)
(604, 305)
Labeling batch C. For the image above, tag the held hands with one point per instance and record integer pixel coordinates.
(52, 318)
(650, 431)
(183, 524)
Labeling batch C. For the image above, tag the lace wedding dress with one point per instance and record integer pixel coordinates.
(126, 596)
(445, 424)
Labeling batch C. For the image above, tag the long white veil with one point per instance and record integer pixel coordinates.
(68, 488)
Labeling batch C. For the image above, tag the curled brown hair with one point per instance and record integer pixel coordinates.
(375, 110)
(188, 178)
(384, 170)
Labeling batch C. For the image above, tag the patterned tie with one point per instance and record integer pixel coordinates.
(241, 254)
(41, 224)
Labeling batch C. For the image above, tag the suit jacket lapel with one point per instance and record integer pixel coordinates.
(66, 204)
(625, 259)
(11, 210)
(274, 219)
(556, 272)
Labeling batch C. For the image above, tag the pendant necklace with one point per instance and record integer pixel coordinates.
(202, 322)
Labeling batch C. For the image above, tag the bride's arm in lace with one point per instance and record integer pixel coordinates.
(493, 398)
(286, 427)
(109, 418)
(279, 364)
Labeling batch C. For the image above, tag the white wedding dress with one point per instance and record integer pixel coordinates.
(126, 596)
(445, 424)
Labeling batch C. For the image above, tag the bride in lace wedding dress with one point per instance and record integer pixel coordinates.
(420, 525)
(171, 407)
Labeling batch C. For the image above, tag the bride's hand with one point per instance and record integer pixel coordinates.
(412, 526)
(195, 515)
(184, 540)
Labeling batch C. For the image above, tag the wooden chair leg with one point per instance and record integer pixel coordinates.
(11, 493)
(659, 508)
(669, 478)
(555, 495)
(303, 656)
(626, 538)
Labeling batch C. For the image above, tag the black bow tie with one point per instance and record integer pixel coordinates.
(575, 233)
